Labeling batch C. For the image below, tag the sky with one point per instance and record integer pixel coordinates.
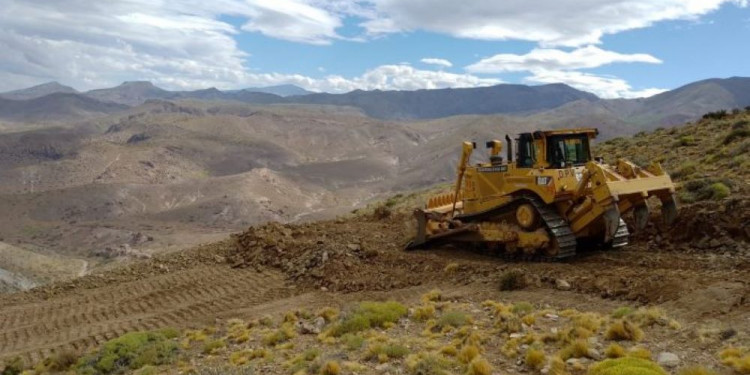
(612, 48)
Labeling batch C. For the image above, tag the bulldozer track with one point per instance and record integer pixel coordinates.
(556, 227)
(621, 236)
(34, 330)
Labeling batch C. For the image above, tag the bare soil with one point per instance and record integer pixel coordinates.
(277, 267)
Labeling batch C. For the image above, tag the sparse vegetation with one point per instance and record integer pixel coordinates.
(368, 315)
(696, 370)
(453, 318)
(129, 352)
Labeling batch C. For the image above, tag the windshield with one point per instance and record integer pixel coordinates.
(568, 150)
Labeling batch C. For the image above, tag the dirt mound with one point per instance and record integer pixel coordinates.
(710, 226)
(341, 255)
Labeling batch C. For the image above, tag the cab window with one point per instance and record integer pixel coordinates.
(568, 150)
(526, 151)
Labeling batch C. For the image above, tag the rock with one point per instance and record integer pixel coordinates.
(562, 284)
(668, 360)
(714, 243)
(353, 246)
(319, 323)
(571, 361)
(307, 328)
(552, 317)
(594, 354)
(544, 370)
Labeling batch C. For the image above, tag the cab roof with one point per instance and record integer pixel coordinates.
(591, 131)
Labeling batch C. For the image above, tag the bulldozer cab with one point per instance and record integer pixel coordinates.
(554, 149)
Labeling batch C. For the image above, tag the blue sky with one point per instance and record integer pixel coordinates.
(613, 48)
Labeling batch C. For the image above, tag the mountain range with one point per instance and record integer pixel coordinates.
(55, 101)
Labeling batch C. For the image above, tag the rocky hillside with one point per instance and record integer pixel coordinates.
(709, 157)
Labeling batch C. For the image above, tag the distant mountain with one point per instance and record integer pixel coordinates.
(426, 104)
(553, 101)
(38, 91)
(130, 93)
(673, 107)
(55, 107)
(280, 90)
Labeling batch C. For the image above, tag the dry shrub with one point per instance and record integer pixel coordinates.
(434, 295)
(528, 319)
(451, 268)
(330, 368)
(639, 352)
(589, 321)
(614, 351)
(428, 364)
(510, 348)
(737, 359)
(449, 350)
(576, 349)
(328, 313)
(647, 317)
(557, 366)
(284, 333)
(622, 330)
(213, 346)
(512, 280)
(425, 312)
(479, 366)
(535, 359)
(468, 353)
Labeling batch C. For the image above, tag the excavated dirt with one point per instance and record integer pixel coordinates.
(698, 270)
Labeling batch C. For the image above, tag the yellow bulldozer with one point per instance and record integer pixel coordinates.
(547, 201)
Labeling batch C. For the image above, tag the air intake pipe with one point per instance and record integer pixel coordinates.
(510, 149)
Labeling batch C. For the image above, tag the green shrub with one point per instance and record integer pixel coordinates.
(626, 366)
(352, 341)
(685, 170)
(719, 191)
(211, 347)
(512, 280)
(13, 367)
(717, 115)
(622, 311)
(368, 315)
(703, 189)
(522, 308)
(453, 318)
(129, 352)
(685, 140)
(389, 351)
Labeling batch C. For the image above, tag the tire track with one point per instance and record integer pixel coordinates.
(77, 322)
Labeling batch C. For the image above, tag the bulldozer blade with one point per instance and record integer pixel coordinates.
(669, 210)
(611, 223)
(421, 236)
(641, 216)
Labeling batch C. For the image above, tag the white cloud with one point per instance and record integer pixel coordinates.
(604, 87)
(549, 22)
(435, 61)
(553, 59)
(292, 20)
